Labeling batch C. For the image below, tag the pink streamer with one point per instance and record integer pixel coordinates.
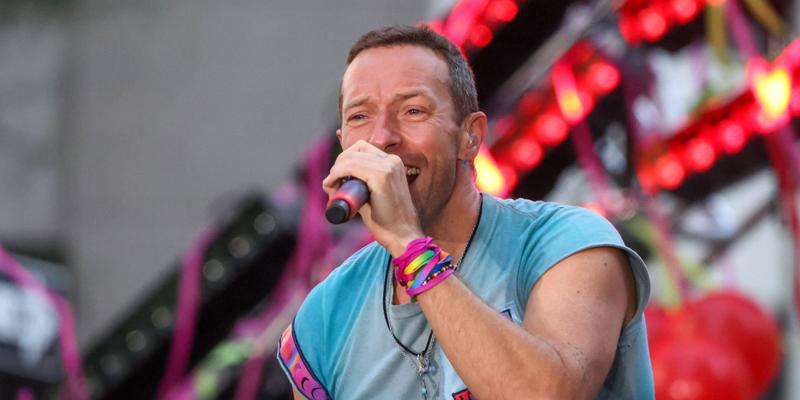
(76, 388)
(591, 165)
(699, 61)
(785, 138)
(25, 394)
(664, 241)
(784, 163)
(741, 31)
(313, 243)
(186, 311)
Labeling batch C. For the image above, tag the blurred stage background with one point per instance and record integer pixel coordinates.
(160, 163)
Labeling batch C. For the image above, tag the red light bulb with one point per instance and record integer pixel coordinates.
(481, 35)
(731, 136)
(684, 10)
(527, 153)
(502, 10)
(603, 77)
(550, 129)
(505, 126)
(629, 29)
(669, 172)
(652, 24)
(700, 154)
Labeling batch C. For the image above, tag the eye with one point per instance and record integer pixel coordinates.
(357, 117)
(415, 111)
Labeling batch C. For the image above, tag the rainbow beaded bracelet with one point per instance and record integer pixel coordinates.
(422, 266)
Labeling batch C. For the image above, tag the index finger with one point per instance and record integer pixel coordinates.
(367, 147)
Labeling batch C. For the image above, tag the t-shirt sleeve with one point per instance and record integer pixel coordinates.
(301, 349)
(567, 231)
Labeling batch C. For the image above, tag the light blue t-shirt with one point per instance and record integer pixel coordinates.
(339, 345)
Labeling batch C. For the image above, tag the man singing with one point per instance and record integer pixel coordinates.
(461, 295)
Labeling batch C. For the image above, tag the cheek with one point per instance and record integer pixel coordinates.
(350, 137)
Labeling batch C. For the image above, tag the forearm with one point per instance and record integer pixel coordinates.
(494, 357)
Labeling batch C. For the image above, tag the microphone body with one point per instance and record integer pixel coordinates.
(346, 201)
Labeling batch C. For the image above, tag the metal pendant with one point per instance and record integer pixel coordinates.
(422, 367)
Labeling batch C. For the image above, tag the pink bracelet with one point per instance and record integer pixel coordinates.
(413, 249)
(427, 270)
(431, 283)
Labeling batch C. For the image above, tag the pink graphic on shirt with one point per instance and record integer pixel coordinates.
(292, 360)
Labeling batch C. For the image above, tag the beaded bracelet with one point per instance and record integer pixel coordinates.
(422, 266)
(425, 281)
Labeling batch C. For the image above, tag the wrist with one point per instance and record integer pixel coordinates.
(399, 246)
(422, 266)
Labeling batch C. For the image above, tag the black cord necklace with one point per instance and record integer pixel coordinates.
(422, 367)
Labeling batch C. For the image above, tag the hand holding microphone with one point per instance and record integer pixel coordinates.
(374, 184)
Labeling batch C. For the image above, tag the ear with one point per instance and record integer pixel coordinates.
(339, 137)
(474, 131)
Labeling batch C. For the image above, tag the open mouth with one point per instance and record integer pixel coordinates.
(411, 174)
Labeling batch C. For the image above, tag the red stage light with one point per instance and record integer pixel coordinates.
(669, 172)
(527, 153)
(571, 107)
(731, 136)
(700, 154)
(794, 103)
(481, 35)
(436, 25)
(461, 20)
(580, 53)
(629, 29)
(790, 55)
(510, 177)
(505, 126)
(603, 77)
(647, 179)
(746, 116)
(570, 101)
(531, 103)
(502, 10)
(772, 88)
(550, 129)
(457, 30)
(684, 10)
(493, 178)
(652, 24)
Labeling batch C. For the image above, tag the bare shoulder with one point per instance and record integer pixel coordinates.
(580, 307)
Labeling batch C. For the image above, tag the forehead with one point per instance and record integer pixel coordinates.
(392, 68)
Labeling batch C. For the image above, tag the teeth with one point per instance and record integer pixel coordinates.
(412, 171)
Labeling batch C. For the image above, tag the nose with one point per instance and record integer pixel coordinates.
(384, 134)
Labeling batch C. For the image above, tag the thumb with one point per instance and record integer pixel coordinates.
(366, 213)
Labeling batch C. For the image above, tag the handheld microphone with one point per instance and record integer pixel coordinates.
(346, 201)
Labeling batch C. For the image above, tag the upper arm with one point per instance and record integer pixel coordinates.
(579, 306)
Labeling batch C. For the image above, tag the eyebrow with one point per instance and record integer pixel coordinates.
(359, 101)
(412, 93)
(400, 96)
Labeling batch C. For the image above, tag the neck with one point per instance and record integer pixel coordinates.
(452, 229)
